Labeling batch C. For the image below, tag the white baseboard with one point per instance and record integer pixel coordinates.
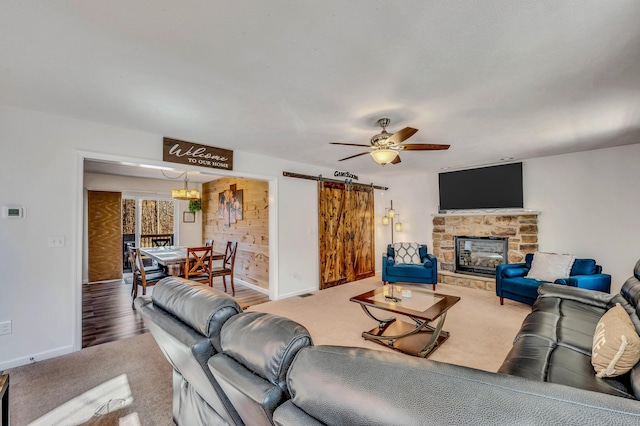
(297, 293)
(17, 362)
(253, 287)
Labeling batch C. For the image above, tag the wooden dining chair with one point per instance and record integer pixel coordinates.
(143, 276)
(161, 242)
(228, 265)
(198, 264)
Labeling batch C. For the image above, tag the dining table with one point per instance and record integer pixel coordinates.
(173, 258)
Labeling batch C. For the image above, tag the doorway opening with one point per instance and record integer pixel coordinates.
(184, 232)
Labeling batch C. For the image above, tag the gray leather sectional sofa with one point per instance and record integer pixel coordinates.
(555, 341)
(234, 367)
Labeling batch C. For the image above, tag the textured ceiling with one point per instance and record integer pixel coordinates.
(493, 79)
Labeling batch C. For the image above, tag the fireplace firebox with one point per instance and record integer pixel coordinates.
(480, 255)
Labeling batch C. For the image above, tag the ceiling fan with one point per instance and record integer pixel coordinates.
(385, 146)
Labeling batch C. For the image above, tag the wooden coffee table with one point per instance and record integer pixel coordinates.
(422, 307)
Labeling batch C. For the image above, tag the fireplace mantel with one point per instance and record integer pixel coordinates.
(488, 213)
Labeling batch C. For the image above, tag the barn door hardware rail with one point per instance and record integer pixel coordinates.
(319, 177)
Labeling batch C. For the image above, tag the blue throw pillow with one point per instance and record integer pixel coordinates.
(514, 272)
(583, 267)
(423, 251)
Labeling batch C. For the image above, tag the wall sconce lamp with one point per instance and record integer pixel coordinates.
(389, 215)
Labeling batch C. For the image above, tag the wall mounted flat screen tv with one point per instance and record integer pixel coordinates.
(492, 187)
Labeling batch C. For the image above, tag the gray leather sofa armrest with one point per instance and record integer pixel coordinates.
(141, 301)
(278, 338)
(588, 297)
(259, 397)
(258, 349)
(247, 382)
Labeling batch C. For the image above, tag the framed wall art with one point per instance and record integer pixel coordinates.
(230, 205)
(188, 217)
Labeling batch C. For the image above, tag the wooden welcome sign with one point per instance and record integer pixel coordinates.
(182, 152)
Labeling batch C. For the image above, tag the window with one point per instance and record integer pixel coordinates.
(147, 220)
(156, 217)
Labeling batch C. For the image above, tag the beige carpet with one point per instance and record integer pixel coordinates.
(482, 330)
(132, 378)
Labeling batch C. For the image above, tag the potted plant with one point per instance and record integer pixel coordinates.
(195, 205)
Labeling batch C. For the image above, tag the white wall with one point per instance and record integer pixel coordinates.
(41, 169)
(415, 198)
(590, 206)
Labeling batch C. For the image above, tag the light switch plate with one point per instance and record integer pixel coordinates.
(56, 241)
(5, 328)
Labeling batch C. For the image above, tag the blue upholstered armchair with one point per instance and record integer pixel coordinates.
(511, 281)
(424, 273)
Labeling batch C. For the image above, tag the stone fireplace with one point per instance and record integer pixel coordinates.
(480, 255)
(519, 228)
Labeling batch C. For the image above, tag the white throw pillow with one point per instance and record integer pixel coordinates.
(550, 266)
(407, 253)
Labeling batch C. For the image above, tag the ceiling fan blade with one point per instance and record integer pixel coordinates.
(396, 160)
(424, 147)
(402, 135)
(349, 144)
(357, 155)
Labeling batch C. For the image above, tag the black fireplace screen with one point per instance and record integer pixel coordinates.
(480, 255)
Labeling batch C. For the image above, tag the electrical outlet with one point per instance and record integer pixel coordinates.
(5, 328)
(56, 241)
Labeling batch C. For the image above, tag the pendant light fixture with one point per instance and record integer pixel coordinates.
(185, 193)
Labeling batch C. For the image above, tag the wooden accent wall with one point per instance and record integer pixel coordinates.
(251, 233)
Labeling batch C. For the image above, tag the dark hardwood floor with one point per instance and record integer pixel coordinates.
(108, 314)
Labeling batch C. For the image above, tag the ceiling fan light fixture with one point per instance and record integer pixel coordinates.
(381, 139)
(385, 145)
(384, 156)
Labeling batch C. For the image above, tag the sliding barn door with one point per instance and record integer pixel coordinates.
(362, 243)
(345, 233)
(104, 228)
(332, 200)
